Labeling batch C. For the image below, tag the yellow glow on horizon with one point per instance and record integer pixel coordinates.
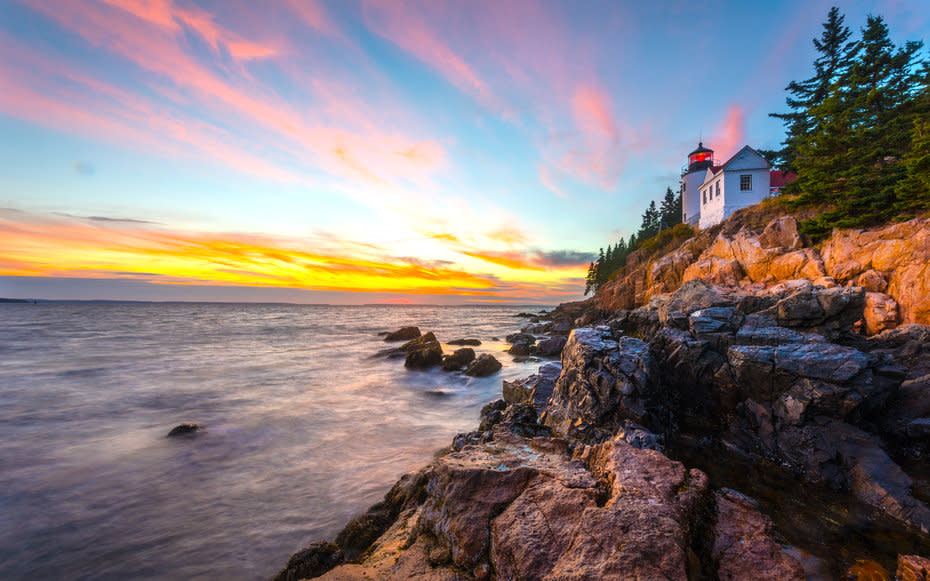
(74, 248)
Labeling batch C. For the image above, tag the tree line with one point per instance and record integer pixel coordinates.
(858, 130)
(655, 219)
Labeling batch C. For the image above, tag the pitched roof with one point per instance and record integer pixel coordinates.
(779, 179)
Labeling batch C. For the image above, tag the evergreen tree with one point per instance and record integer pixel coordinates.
(913, 192)
(669, 210)
(851, 156)
(650, 225)
(835, 56)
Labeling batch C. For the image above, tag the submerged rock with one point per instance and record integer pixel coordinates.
(468, 342)
(183, 430)
(403, 334)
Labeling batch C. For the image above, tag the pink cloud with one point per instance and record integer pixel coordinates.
(404, 25)
(235, 113)
(730, 133)
(314, 15)
(593, 112)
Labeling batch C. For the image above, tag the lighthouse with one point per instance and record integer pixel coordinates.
(698, 161)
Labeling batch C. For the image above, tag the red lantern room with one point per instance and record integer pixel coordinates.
(700, 159)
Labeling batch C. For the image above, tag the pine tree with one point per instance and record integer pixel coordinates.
(850, 158)
(669, 210)
(836, 54)
(913, 191)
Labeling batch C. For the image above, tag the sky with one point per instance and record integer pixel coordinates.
(369, 151)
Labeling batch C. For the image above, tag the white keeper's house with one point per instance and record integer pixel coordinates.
(711, 193)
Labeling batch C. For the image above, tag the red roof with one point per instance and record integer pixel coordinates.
(779, 179)
(715, 169)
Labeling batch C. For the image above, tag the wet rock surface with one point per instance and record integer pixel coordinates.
(403, 334)
(485, 365)
(183, 430)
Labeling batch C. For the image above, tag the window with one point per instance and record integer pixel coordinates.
(745, 183)
(705, 196)
(718, 189)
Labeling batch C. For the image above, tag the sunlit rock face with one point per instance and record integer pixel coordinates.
(894, 260)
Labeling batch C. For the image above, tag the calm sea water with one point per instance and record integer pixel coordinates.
(303, 430)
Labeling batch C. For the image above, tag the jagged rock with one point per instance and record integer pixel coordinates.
(466, 342)
(693, 295)
(313, 561)
(901, 250)
(880, 313)
(483, 366)
(403, 334)
(872, 281)
(535, 328)
(715, 270)
(715, 320)
(907, 344)
(520, 338)
(603, 381)
(536, 388)
(561, 326)
(913, 568)
(183, 430)
(743, 544)
(829, 311)
(638, 436)
(803, 263)
(424, 351)
(458, 359)
(566, 525)
(782, 233)
(551, 346)
(838, 454)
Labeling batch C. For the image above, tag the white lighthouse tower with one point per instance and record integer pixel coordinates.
(698, 161)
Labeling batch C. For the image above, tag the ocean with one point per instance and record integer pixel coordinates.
(303, 429)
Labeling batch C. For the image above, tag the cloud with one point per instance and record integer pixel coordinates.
(730, 133)
(404, 24)
(210, 110)
(565, 258)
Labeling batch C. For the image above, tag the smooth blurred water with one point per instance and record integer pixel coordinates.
(303, 430)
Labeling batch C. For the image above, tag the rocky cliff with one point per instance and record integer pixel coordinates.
(891, 264)
(745, 406)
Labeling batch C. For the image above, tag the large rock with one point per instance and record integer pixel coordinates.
(603, 381)
(458, 359)
(715, 270)
(403, 334)
(536, 388)
(743, 542)
(880, 313)
(484, 365)
(424, 351)
(637, 524)
(829, 311)
(551, 346)
(901, 251)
